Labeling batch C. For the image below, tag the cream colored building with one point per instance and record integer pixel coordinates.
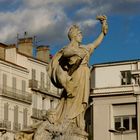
(115, 92)
(25, 88)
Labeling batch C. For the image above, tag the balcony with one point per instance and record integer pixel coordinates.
(16, 126)
(24, 126)
(44, 88)
(16, 94)
(37, 114)
(4, 124)
(33, 83)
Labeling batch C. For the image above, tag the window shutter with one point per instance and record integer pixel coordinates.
(25, 117)
(4, 80)
(6, 111)
(23, 86)
(33, 74)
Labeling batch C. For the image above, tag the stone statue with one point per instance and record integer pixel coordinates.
(70, 71)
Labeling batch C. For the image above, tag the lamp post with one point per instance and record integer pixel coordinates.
(119, 131)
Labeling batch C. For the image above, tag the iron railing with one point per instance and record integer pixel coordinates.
(5, 124)
(43, 87)
(16, 94)
(16, 126)
(37, 114)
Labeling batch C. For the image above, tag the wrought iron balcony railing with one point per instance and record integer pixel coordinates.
(44, 87)
(5, 124)
(16, 94)
(37, 114)
(16, 126)
(33, 83)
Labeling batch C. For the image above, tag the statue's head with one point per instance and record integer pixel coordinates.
(51, 115)
(75, 33)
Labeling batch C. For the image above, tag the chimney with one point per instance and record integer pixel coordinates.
(11, 53)
(43, 53)
(25, 46)
(2, 50)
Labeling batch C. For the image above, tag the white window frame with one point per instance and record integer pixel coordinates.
(130, 122)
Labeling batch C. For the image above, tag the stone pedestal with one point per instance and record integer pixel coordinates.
(72, 132)
(81, 135)
(51, 131)
(73, 137)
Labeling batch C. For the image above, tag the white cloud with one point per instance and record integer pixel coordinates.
(88, 23)
(50, 19)
(33, 20)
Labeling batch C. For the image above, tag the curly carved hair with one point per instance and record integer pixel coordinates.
(73, 31)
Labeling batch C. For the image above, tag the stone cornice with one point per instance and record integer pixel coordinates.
(37, 61)
(13, 65)
(110, 91)
(116, 63)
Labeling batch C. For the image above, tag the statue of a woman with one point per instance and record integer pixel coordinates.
(69, 70)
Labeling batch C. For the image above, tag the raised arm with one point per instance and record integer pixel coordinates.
(99, 39)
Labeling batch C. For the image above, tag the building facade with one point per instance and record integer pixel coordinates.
(115, 94)
(26, 91)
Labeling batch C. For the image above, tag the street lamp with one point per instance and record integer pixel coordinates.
(119, 131)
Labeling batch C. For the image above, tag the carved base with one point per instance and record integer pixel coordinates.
(72, 133)
(73, 137)
(48, 131)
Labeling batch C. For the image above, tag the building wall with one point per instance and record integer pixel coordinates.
(13, 95)
(103, 117)
(108, 76)
(113, 101)
(20, 88)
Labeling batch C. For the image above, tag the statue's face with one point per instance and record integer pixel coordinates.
(52, 118)
(79, 37)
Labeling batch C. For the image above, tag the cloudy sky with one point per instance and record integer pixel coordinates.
(49, 21)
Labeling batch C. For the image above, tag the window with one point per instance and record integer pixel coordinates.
(117, 123)
(126, 77)
(128, 122)
(16, 125)
(33, 74)
(48, 82)
(23, 86)
(6, 111)
(34, 100)
(42, 79)
(25, 117)
(4, 81)
(14, 84)
(16, 114)
(134, 123)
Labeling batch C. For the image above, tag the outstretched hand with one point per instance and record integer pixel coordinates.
(103, 20)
